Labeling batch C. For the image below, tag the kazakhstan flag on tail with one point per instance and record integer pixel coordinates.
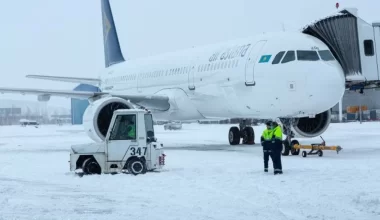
(265, 58)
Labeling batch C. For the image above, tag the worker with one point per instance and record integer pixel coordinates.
(131, 128)
(266, 142)
(128, 130)
(276, 148)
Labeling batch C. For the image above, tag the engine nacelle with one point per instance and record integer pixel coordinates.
(98, 115)
(309, 127)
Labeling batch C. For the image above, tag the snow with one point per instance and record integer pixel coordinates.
(204, 178)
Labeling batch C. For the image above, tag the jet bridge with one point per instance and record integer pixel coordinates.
(354, 43)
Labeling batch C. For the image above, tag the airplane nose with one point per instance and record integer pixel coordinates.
(326, 86)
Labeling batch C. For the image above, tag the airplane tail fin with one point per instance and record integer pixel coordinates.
(112, 51)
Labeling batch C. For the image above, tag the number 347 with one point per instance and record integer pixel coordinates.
(138, 151)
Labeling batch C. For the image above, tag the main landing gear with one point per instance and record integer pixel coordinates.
(288, 143)
(245, 131)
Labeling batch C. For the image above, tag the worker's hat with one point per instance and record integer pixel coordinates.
(269, 123)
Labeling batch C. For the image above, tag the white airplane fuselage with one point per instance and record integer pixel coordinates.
(227, 80)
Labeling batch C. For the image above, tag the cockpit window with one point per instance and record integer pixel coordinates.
(307, 55)
(278, 57)
(290, 56)
(326, 55)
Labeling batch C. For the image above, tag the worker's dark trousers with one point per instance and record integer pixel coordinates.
(267, 153)
(277, 161)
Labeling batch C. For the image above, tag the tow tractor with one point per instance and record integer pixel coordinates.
(315, 149)
(136, 152)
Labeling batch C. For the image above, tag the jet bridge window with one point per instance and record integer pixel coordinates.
(368, 48)
(278, 57)
(290, 56)
(307, 55)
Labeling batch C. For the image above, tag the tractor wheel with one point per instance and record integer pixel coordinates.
(90, 166)
(136, 166)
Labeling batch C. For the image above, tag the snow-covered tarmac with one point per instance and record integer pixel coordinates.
(204, 178)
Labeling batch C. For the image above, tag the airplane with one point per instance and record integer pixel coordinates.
(287, 76)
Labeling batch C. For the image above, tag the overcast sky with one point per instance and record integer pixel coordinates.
(64, 37)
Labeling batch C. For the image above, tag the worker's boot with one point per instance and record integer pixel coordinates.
(266, 170)
(277, 172)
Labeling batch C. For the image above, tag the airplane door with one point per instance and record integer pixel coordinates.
(252, 60)
(191, 78)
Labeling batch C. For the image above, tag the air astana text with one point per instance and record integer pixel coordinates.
(230, 53)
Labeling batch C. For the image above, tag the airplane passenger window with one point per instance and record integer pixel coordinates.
(278, 57)
(290, 56)
(307, 55)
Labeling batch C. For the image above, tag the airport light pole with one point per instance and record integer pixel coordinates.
(340, 110)
(360, 108)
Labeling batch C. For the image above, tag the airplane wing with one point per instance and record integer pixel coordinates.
(61, 93)
(153, 102)
(90, 81)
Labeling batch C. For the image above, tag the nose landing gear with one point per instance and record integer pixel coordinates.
(288, 143)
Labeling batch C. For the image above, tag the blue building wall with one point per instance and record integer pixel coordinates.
(78, 106)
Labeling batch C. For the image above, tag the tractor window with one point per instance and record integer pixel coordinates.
(149, 125)
(124, 128)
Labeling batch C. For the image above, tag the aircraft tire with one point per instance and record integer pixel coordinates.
(294, 151)
(234, 136)
(285, 148)
(248, 135)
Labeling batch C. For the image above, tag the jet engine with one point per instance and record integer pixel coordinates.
(98, 115)
(308, 127)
